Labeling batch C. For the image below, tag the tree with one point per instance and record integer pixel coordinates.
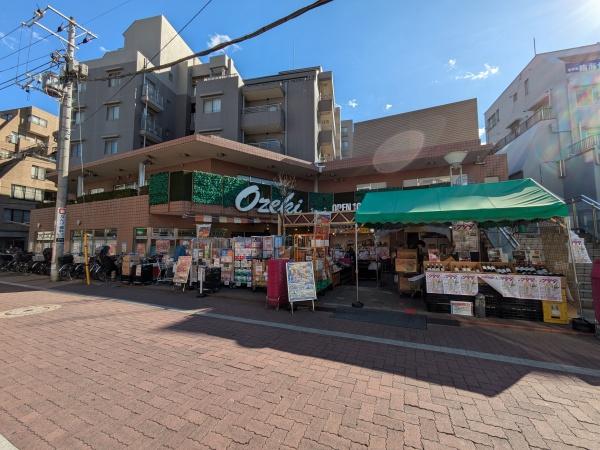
(286, 184)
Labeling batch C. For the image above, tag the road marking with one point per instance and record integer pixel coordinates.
(557, 367)
(5, 444)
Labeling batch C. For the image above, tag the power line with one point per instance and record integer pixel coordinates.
(223, 45)
(31, 60)
(10, 32)
(42, 39)
(12, 80)
(107, 12)
(132, 77)
(50, 65)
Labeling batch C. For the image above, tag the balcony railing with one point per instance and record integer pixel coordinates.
(273, 145)
(585, 144)
(151, 94)
(150, 126)
(538, 116)
(262, 108)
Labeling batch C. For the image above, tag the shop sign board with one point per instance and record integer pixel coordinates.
(250, 198)
(465, 236)
(203, 230)
(578, 249)
(182, 271)
(61, 222)
(301, 281)
(345, 207)
(582, 66)
(461, 308)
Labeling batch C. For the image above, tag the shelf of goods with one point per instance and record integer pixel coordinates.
(406, 266)
(245, 250)
(259, 273)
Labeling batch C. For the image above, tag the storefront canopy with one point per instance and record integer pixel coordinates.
(506, 201)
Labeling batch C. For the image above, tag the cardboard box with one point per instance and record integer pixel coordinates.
(406, 265)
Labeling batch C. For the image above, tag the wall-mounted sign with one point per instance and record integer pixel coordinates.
(585, 66)
(250, 198)
(341, 207)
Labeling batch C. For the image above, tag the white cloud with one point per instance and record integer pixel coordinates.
(8, 41)
(216, 39)
(481, 75)
(353, 103)
(482, 135)
(103, 49)
(388, 106)
(38, 36)
(451, 63)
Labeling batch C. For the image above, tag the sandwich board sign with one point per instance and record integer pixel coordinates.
(301, 283)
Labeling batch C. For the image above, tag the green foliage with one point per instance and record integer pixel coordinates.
(320, 201)
(207, 188)
(231, 188)
(158, 188)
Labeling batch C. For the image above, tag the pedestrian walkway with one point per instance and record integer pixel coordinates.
(113, 367)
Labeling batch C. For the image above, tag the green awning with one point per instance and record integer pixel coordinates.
(506, 201)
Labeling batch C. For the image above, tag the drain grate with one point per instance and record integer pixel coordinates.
(27, 311)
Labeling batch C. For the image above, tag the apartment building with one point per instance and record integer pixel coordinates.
(547, 122)
(118, 115)
(27, 128)
(291, 113)
(23, 185)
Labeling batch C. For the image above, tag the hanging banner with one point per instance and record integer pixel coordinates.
(434, 282)
(465, 236)
(550, 289)
(578, 249)
(182, 271)
(163, 246)
(301, 281)
(203, 230)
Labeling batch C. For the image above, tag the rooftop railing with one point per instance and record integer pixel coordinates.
(538, 116)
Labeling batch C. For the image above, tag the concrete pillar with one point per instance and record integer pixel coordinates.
(80, 186)
(141, 174)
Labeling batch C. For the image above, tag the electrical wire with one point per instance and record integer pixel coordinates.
(25, 76)
(12, 80)
(31, 60)
(42, 39)
(11, 31)
(132, 77)
(87, 22)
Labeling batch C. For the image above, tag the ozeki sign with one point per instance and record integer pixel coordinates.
(250, 198)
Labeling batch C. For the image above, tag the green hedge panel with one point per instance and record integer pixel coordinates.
(207, 188)
(158, 188)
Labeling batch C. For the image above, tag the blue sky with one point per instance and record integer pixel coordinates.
(388, 56)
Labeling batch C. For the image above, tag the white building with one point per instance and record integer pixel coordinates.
(547, 121)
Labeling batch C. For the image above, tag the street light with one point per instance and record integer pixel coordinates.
(455, 159)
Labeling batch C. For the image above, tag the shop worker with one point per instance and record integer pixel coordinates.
(180, 250)
(350, 253)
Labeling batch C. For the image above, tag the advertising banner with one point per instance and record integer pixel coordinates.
(301, 281)
(203, 230)
(182, 271)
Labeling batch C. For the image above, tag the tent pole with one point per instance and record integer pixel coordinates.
(356, 258)
(573, 266)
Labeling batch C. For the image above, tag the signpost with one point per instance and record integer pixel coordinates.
(301, 283)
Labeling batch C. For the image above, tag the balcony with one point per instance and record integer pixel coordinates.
(325, 137)
(272, 144)
(584, 145)
(262, 91)
(263, 119)
(152, 98)
(151, 130)
(538, 116)
(325, 105)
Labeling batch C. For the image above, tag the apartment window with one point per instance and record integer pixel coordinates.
(527, 86)
(114, 79)
(13, 138)
(345, 145)
(493, 119)
(212, 105)
(76, 149)
(5, 154)
(16, 215)
(38, 121)
(27, 193)
(38, 173)
(77, 117)
(588, 95)
(515, 97)
(371, 186)
(491, 179)
(112, 112)
(344, 130)
(7, 116)
(96, 191)
(111, 146)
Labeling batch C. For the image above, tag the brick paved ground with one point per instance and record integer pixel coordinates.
(106, 374)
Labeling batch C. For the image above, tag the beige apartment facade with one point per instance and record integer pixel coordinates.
(27, 128)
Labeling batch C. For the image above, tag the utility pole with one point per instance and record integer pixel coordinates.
(61, 87)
